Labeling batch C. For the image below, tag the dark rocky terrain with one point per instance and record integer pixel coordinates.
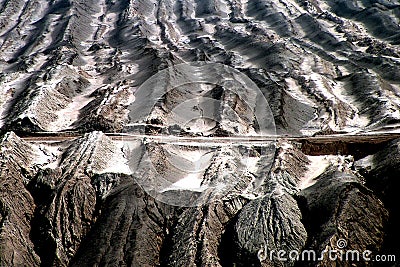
(75, 190)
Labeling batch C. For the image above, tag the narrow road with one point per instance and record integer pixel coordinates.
(351, 138)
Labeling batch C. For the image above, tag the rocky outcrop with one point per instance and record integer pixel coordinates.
(381, 172)
(341, 214)
(108, 111)
(38, 106)
(68, 211)
(17, 206)
(130, 230)
(275, 219)
(266, 226)
(197, 238)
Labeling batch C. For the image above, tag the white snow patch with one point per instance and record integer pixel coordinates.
(40, 59)
(119, 163)
(47, 156)
(323, 6)
(317, 166)
(223, 9)
(362, 49)
(286, 146)
(190, 161)
(191, 182)
(343, 70)
(210, 29)
(307, 64)
(251, 164)
(295, 91)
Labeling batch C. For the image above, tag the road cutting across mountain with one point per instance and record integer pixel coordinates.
(351, 138)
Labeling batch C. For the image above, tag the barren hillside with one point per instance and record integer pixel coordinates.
(199, 132)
